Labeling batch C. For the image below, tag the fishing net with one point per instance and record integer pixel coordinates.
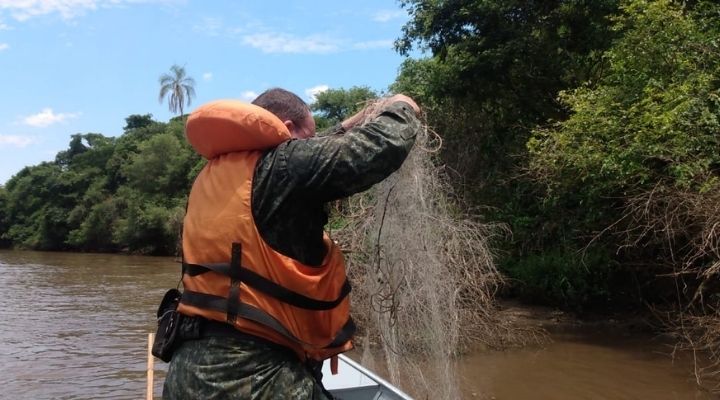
(423, 274)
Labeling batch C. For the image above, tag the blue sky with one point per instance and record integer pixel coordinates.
(78, 66)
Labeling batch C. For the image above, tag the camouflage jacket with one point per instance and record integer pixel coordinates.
(294, 181)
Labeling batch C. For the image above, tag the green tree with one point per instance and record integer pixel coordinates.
(38, 199)
(127, 145)
(178, 87)
(145, 227)
(639, 157)
(493, 75)
(653, 118)
(517, 53)
(136, 121)
(168, 160)
(334, 105)
(88, 150)
(4, 218)
(95, 231)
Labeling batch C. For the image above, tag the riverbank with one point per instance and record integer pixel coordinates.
(554, 320)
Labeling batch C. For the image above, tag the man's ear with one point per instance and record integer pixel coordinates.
(290, 125)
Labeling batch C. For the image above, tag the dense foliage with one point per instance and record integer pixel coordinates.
(494, 74)
(642, 146)
(653, 116)
(104, 194)
(641, 149)
(562, 118)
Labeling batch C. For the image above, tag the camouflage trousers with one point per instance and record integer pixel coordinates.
(216, 368)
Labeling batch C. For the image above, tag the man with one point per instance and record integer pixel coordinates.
(267, 349)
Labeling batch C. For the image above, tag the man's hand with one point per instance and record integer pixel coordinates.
(406, 99)
(374, 109)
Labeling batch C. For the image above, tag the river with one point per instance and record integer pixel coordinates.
(74, 326)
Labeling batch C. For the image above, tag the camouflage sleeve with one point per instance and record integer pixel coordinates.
(336, 166)
(335, 129)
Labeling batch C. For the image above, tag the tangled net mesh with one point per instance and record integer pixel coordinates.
(423, 275)
(685, 226)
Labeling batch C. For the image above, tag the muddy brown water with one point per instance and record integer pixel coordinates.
(74, 326)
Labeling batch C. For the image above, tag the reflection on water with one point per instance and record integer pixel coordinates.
(582, 365)
(74, 326)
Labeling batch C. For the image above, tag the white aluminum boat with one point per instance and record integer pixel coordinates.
(355, 382)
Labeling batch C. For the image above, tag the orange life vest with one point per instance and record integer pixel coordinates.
(229, 273)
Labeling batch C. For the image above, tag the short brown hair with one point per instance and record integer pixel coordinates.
(284, 104)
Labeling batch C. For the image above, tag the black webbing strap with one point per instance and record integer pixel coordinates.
(198, 269)
(233, 306)
(346, 333)
(206, 301)
(252, 279)
(257, 281)
(217, 303)
(246, 311)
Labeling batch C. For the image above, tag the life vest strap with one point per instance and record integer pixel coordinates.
(344, 334)
(218, 303)
(270, 288)
(233, 305)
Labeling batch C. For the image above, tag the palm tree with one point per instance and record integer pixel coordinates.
(179, 88)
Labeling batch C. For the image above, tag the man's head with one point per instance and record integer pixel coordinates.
(291, 110)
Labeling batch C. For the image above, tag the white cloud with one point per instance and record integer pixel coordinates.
(209, 26)
(4, 27)
(387, 15)
(4, 46)
(248, 95)
(314, 91)
(47, 117)
(16, 140)
(22, 10)
(217, 26)
(284, 43)
(25, 9)
(207, 76)
(374, 44)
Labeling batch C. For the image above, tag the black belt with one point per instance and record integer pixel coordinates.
(193, 328)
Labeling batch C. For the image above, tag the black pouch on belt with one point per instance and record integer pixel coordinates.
(166, 338)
